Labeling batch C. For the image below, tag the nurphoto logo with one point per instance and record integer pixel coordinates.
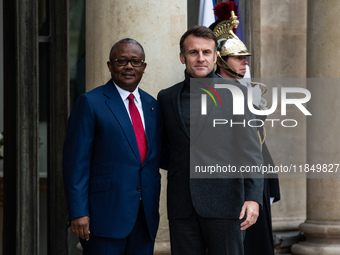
(238, 104)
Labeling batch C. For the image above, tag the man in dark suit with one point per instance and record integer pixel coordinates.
(111, 160)
(206, 216)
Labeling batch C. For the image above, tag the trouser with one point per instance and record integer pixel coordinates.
(138, 242)
(201, 236)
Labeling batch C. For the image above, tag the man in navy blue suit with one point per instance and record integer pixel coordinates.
(111, 160)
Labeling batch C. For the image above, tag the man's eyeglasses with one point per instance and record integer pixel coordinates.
(135, 62)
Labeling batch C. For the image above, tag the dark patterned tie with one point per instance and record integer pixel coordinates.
(138, 127)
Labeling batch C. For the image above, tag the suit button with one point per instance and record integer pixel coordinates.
(139, 189)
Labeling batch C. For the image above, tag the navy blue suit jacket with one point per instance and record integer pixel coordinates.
(103, 174)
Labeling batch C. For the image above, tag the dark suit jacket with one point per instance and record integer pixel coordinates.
(103, 174)
(211, 198)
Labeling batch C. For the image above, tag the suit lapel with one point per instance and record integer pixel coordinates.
(118, 109)
(202, 120)
(176, 103)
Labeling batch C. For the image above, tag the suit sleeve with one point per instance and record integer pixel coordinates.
(249, 145)
(77, 156)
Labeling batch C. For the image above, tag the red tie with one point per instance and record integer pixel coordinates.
(138, 127)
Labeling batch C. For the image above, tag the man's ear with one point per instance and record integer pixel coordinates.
(182, 58)
(109, 65)
(219, 64)
(144, 66)
(215, 59)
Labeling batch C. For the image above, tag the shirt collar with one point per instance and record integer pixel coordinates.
(124, 93)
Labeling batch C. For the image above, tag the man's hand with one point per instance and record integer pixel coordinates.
(81, 227)
(250, 208)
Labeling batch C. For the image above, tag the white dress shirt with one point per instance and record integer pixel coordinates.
(138, 102)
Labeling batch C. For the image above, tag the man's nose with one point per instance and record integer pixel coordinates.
(128, 65)
(201, 57)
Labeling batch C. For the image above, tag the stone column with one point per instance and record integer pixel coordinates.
(158, 26)
(279, 53)
(322, 227)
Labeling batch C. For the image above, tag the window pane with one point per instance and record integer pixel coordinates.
(44, 28)
(77, 48)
